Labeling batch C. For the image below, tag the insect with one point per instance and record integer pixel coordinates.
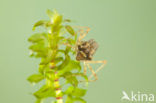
(85, 51)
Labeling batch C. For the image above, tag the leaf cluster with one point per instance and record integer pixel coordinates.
(54, 58)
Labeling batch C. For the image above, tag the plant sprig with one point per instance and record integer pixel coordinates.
(56, 58)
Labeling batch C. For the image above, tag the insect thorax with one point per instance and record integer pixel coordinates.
(86, 50)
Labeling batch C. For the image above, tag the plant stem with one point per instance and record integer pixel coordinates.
(58, 91)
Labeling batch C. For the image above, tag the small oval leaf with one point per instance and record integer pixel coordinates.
(70, 30)
(35, 78)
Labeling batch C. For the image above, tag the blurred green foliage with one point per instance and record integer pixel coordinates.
(47, 46)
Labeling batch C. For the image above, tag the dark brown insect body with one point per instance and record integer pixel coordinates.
(86, 50)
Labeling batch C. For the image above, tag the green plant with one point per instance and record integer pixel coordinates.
(56, 61)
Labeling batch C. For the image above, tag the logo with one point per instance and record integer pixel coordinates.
(137, 96)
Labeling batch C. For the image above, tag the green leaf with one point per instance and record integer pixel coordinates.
(75, 37)
(74, 91)
(69, 99)
(71, 79)
(79, 99)
(71, 65)
(57, 18)
(38, 47)
(69, 90)
(44, 92)
(79, 92)
(45, 69)
(64, 63)
(35, 78)
(45, 61)
(68, 49)
(67, 20)
(58, 59)
(40, 23)
(81, 75)
(48, 58)
(70, 29)
(41, 54)
(38, 54)
(38, 37)
(71, 41)
(50, 13)
(50, 76)
(38, 101)
(39, 50)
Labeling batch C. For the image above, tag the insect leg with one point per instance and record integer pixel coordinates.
(66, 44)
(97, 70)
(93, 73)
(103, 64)
(83, 32)
(98, 61)
(85, 68)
